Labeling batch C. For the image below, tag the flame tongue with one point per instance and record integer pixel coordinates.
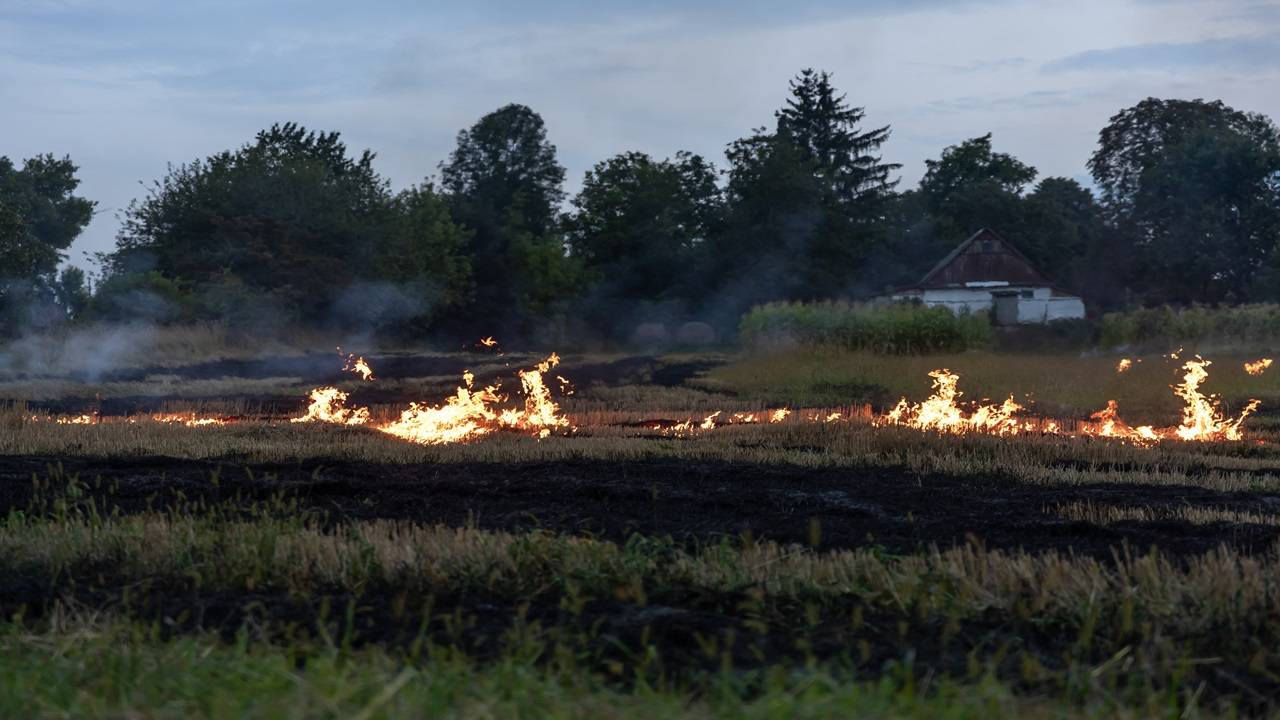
(467, 414)
(940, 411)
(328, 404)
(463, 416)
(1110, 425)
(541, 413)
(1257, 366)
(1202, 418)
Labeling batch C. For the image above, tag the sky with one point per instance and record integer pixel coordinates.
(129, 87)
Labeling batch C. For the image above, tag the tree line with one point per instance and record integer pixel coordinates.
(293, 228)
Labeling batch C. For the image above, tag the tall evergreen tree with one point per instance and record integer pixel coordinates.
(825, 129)
(806, 202)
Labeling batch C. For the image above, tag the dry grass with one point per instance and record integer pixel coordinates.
(1031, 459)
(1137, 617)
(1097, 514)
(1228, 588)
(1053, 384)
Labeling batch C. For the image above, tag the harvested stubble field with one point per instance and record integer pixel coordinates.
(619, 569)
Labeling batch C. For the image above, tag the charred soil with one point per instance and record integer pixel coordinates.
(691, 502)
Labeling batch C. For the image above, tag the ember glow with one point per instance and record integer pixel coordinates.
(1124, 364)
(1257, 367)
(714, 420)
(188, 419)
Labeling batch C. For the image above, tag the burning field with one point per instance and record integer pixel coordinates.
(655, 522)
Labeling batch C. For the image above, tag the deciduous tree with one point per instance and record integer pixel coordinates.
(1195, 186)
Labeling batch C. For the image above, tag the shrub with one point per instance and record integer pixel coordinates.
(1165, 327)
(902, 329)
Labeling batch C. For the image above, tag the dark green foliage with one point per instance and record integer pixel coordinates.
(72, 290)
(292, 228)
(824, 128)
(971, 187)
(1166, 328)
(968, 188)
(806, 203)
(505, 186)
(40, 216)
(640, 230)
(287, 224)
(1058, 225)
(150, 295)
(896, 329)
(1066, 236)
(1196, 186)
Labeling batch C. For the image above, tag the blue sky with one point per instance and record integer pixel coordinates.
(128, 86)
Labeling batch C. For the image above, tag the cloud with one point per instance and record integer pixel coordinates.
(127, 86)
(1237, 53)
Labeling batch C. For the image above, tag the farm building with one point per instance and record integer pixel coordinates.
(986, 272)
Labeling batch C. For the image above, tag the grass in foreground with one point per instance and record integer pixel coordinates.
(106, 669)
(289, 608)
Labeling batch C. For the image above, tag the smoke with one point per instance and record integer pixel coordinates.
(380, 303)
(84, 353)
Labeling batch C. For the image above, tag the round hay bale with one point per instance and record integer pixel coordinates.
(696, 333)
(650, 334)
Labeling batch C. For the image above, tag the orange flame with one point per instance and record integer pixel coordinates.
(1110, 425)
(188, 419)
(463, 416)
(940, 411)
(1257, 367)
(1124, 364)
(328, 404)
(488, 341)
(469, 414)
(541, 413)
(1201, 418)
(358, 366)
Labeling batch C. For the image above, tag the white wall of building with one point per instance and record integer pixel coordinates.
(957, 300)
(1043, 306)
(1037, 310)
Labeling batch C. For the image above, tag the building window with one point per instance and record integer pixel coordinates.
(1026, 294)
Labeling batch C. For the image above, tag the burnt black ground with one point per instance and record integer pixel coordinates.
(885, 508)
(326, 369)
